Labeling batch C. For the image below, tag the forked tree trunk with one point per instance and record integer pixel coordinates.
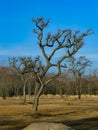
(37, 96)
(36, 103)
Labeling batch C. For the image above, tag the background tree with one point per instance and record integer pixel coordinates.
(92, 82)
(77, 67)
(23, 67)
(62, 84)
(64, 41)
(4, 74)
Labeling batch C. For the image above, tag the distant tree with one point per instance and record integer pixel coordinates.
(93, 82)
(65, 42)
(5, 81)
(62, 84)
(77, 66)
(23, 67)
(3, 85)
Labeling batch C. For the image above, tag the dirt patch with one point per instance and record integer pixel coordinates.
(47, 126)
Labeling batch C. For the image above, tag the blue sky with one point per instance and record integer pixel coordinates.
(16, 37)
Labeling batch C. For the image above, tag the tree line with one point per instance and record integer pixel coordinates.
(11, 84)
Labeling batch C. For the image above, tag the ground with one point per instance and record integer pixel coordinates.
(81, 115)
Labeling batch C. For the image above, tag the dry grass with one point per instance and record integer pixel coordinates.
(82, 115)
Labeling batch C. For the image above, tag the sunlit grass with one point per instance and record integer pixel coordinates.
(15, 115)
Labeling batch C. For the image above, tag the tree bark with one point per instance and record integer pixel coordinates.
(79, 92)
(79, 88)
(3, 93)
(36, 103)
(24, 93)
(37, 96)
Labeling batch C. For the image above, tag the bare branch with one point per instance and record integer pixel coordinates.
(51, 79)
(41, 24)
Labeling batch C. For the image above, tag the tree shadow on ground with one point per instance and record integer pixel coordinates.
(39, 115)
(8, 124)
(83, 124)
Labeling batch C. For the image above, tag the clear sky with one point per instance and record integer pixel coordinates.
(16, 37)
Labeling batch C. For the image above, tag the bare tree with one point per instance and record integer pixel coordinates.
(63, 42)
(23, 66)
(77, 67)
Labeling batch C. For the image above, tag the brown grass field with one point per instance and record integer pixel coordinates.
(81, 115)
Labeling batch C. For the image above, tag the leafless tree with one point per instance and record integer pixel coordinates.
(64, 42)
(23, 66)
(77, 67)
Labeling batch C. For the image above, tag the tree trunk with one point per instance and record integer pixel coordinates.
(37, 96)
(3, 93)
(36, 103)
(79, 88)
(37, 86)
(24, 93)
(78, 92)
(29, 91)
(79, 95)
